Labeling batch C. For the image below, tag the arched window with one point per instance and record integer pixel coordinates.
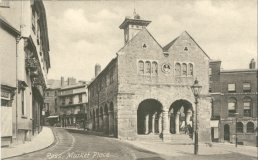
(141, 67)
(154, 68)
(239, 127)
(178, 69)
(190, 72)
(184, 69)
(231, 107)
(148, 67)
(250, 127)
(247, 107)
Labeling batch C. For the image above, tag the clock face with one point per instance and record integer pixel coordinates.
(166, 68)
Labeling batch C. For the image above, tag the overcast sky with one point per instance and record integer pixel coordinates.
(83, 33)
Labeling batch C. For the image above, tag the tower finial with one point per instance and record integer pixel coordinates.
(134, 10)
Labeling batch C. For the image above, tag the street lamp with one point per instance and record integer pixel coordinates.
(236, 114)
(196, 89)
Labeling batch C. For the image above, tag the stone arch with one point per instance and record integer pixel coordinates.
(180, 117)
(149, 116)
(250, 127)
(240, 127)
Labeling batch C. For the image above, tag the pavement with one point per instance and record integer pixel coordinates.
(170, 150)
(41, 141)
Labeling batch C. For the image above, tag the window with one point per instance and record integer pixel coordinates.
(231, 107)
(231, 87)
(154, 68)
(178, 69)
(141, 67)
(33, 21)
(70, 100)
(247, 107)
(184, 69)
(55, 109)
(190, 66)
(55, 93)
(239, 127)
(210, 71)
(186, 49)
(111, 76)
(80, 98)
(250, 127)
(38, 32)
(4, 4)
(55, 101)
(246, 87)
(148, 68)
(63, 101)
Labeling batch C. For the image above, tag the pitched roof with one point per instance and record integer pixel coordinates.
(7, 26)
(166, 47)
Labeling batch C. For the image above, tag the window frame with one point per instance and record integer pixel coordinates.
(228, 87)
(246, 89)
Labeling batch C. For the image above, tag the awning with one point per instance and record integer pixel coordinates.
(214, 123)
(52, 117)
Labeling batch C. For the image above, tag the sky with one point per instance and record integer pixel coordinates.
(83, 33)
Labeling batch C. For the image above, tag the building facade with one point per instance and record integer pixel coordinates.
(145, 91)
(234, 104)
(24, 66)
(73, 100)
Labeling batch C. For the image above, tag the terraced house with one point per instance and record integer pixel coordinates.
(24, 67)
(145, 91)
(234, 104)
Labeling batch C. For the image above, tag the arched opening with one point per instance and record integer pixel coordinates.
(97, 119)
(226, 132)
(180, 117)
(250, 127)
(149, 117)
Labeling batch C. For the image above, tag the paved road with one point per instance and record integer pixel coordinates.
(77, 146)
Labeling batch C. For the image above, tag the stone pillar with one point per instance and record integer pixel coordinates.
(177, 122)
(165, 124)
(105, 123)
(188, 116)
(160, 122)
(111, 123)
(147, 124)
(153, 122)
(101, 122)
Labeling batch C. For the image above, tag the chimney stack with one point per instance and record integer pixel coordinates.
(252, 64)
(71, 81)
(97, 69)
(62, 81)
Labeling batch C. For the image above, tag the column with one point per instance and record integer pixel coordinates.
(101, 122)
(160, 122)
(187, 117)
(177, 122)
(153, 122)
(111, 122)
(147, 124)
(165, 123)
(105, 123)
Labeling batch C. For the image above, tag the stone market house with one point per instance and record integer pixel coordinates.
(145, 91)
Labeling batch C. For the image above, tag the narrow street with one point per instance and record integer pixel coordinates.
(79, 146)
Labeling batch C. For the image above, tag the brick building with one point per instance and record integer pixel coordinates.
(24, 67)
(145, 91)
(234, 91)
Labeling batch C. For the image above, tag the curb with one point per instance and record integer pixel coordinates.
(52, 144)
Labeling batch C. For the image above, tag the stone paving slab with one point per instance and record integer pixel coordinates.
(43, 140)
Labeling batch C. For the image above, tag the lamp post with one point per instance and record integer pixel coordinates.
(236, 114)
(196, 89)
